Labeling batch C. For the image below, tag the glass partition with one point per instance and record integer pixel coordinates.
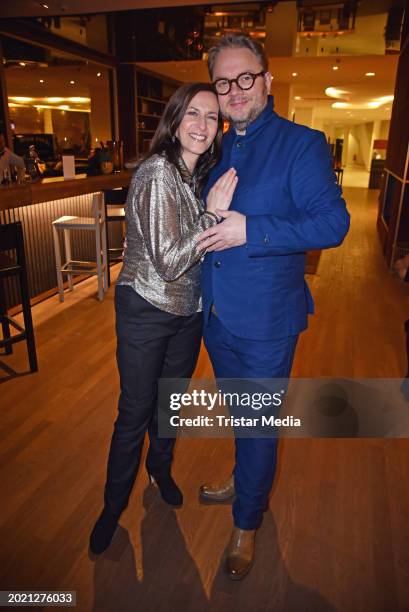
(57, 102)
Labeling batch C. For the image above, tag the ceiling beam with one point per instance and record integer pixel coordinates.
(36, 35)
(31, 8)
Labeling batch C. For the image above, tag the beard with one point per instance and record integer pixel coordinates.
(240, 124)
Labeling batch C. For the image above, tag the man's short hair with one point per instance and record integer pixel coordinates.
(236, 40)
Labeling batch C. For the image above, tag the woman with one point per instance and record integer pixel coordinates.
(157, 297)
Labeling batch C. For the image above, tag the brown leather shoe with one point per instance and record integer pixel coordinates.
(240, 553)
(218, 492)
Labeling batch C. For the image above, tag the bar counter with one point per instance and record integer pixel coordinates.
(39, 203)
(57, 188)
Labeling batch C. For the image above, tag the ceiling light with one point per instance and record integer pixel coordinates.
(72, 82)
(369, 74)
(41, 80)
(20, 99)
(22, 63)
(63, 108)
(295, 74)
(333, 92)
(335, 67)
(99, 74)
(297, 97)
(385, 99)
(44, 5)
(55, 100)
(79, 100)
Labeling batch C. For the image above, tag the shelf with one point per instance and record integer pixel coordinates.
(153, 100)
(148, 115)
(146, 131)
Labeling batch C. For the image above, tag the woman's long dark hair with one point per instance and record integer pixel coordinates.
(166, 142)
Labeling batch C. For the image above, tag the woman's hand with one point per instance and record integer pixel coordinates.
(221, 194)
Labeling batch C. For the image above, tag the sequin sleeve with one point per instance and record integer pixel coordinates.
(171, 245)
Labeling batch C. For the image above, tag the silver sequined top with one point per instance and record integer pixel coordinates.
(163, 218)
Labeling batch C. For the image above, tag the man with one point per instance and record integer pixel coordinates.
(8, 158)
(255, 299)
(402, 268)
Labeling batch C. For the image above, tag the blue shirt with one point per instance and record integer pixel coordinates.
(287, 190)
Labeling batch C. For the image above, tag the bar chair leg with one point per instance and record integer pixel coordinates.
(105, 263)
(99, 262)
(106, 231)
(4, 321)
(28, 323)
(6, 330)
(68, 257)
(57, 252)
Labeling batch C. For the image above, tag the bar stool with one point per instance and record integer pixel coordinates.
(114, 200)
(71, 267)
(340, 175)
(11, 239)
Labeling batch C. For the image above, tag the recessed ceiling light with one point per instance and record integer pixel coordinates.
(99, 74)
(297, 97)
(72, 82)
(44, 5)
(22, 63)
(79, 100)
(21, 99)
(369, 74)
(335, 67)
(295, 74)
(41, 80)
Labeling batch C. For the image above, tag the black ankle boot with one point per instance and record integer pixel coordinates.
(103, 532)
(168, 488)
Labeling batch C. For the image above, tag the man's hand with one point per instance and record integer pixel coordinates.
(230, 233)
(401, 266)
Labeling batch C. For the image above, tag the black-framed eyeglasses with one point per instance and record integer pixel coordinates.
(245, 80)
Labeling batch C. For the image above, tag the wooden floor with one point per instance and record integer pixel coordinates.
(336, 536)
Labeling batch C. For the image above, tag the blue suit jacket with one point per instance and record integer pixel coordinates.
(288, 192)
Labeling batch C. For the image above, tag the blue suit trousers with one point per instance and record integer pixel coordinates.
(234, 357)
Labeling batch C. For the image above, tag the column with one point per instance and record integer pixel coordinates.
(282, 99)
(305, 115)
(281, 30)
(48, 121)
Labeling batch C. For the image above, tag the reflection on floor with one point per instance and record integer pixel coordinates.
(355, 177)
(335, 535)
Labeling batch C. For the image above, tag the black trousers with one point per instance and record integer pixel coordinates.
(151, 344)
